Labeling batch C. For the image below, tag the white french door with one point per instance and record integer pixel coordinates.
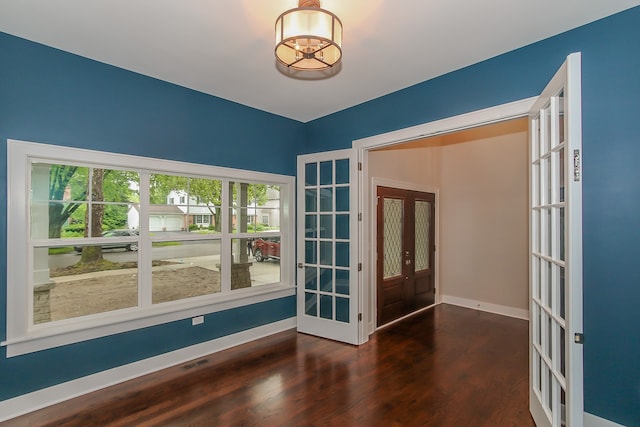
(556, 392)
(327, 296)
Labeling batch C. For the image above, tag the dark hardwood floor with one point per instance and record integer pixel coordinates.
(448, 366)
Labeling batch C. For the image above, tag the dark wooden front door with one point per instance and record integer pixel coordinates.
(406, 252)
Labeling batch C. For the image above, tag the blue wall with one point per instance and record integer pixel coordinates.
(53, 97)
(611, 185)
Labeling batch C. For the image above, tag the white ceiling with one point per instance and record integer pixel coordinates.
(225, 47)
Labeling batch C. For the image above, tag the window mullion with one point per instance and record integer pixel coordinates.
(145, 247)
(225, 251)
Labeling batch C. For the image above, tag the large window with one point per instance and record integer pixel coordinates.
(115, 242)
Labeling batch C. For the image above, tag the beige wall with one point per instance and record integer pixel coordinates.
(481, 175)
(419, 166)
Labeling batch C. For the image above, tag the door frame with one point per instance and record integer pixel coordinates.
(362, 146)
(373, 232)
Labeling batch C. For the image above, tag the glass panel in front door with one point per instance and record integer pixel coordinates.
(422, 232)
(392, 239)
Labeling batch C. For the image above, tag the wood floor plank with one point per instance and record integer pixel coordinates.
(448, 366)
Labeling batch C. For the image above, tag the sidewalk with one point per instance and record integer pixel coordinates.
(262, 273)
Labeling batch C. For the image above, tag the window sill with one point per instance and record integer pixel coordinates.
(128, 320)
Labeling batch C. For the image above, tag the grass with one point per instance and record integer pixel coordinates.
(62, 250)
(159, 244)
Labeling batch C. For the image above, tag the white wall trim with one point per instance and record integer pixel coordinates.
(469, 120)
(503, 310)
(591, 420)
(29, 402)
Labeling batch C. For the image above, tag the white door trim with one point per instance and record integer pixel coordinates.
(473, 119)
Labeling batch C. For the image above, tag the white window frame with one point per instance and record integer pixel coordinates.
(23, 337)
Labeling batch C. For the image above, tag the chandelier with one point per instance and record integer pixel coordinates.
(308, 37)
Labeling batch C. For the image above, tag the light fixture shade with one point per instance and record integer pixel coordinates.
(308, 38)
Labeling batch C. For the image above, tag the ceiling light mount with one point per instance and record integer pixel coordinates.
(308, 37)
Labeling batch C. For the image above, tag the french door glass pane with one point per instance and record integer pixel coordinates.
(326, 200)
(326, 226)
(342, 309)
(311, 200)
(342, 199)
(561, 128)
(547, 130)
(311, 174)
(326, 306)
(561, 233)
(342, 254)
(561, 181)
(310, 226)
(326, 173)
(548, 197)
(311, 304)
(342, 226)
(342, 171)
(326, 280)
(327, 254)
(342, 282)
(311, 278)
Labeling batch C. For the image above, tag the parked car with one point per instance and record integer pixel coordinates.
(266, 248)
(130, 246)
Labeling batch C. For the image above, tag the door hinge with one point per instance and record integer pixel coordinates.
(576, 165)
(578, 338)
(360, 216)
(359, 166)
(359, 266)
(359, 317)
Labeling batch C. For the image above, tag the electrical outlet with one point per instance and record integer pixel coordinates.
(198, 320)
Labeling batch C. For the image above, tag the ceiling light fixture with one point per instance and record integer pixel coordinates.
(308, 37)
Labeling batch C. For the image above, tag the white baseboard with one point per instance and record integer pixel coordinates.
(29, 402)
(503, 310)
(591, 420)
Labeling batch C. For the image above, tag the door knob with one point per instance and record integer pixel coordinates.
(300, 265)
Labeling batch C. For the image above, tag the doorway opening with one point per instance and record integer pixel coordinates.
(477, 169)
